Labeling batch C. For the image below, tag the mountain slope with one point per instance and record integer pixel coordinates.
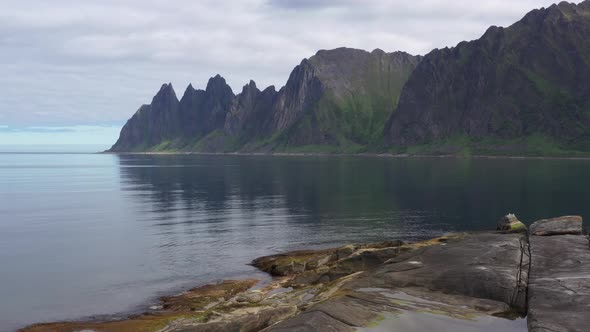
(525, 88)
(350, 94)
(334, 101)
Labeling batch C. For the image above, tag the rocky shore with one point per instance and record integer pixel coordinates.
(513, 279)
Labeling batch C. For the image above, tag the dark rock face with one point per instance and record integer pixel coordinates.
(557, 226)
(152, 123)
(559, 283)
(341, 97)
(531, 78)
(173, 124)
(251, 112)
(205, 111)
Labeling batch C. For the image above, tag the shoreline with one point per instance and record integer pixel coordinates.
(468, 281)
(370, 155)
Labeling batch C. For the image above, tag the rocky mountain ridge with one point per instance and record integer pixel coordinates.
(339, 98)
(524, 89)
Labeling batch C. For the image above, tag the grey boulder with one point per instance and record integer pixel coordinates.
(557, 226)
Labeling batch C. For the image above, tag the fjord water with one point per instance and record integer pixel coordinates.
(99, 234)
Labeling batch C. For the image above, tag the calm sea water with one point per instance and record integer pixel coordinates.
(92, 234)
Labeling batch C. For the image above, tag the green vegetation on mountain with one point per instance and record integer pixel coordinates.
(519, 90)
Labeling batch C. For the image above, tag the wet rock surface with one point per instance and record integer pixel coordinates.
(559, 284)
(486, 265)
(311, 265)
(464, 277)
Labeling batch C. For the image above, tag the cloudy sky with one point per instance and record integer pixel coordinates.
(73, 71)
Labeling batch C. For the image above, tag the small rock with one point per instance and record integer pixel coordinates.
(558, 226)
(509, 223)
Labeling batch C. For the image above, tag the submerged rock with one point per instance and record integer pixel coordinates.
(509, 223)
(558, 226)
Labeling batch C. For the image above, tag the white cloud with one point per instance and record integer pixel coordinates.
(96, 61)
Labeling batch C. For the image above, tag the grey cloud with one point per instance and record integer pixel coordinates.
(87, 62)
(308, 4)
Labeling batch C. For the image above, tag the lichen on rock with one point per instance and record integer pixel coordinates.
(510, 223)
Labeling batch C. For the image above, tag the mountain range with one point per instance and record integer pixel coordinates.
(520, 90)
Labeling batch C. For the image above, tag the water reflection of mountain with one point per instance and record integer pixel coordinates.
(465, 193)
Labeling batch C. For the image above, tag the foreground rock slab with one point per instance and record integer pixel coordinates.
(559, 283)
(484, 265)
(383, 309)
(467, 282)
(558, 226)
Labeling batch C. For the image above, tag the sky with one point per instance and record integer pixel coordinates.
(72, 72)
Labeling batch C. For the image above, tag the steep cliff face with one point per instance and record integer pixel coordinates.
(151, 124)
(167, 123)
(205, 111)
(251, 112)
(530, 79)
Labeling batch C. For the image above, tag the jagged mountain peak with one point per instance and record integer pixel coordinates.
(166, 94)
(269, 89)
(190, 93)
(218, 85)
(250, 89)
(217, 79)
(251, 85)
(166, 88)
(565, 11)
